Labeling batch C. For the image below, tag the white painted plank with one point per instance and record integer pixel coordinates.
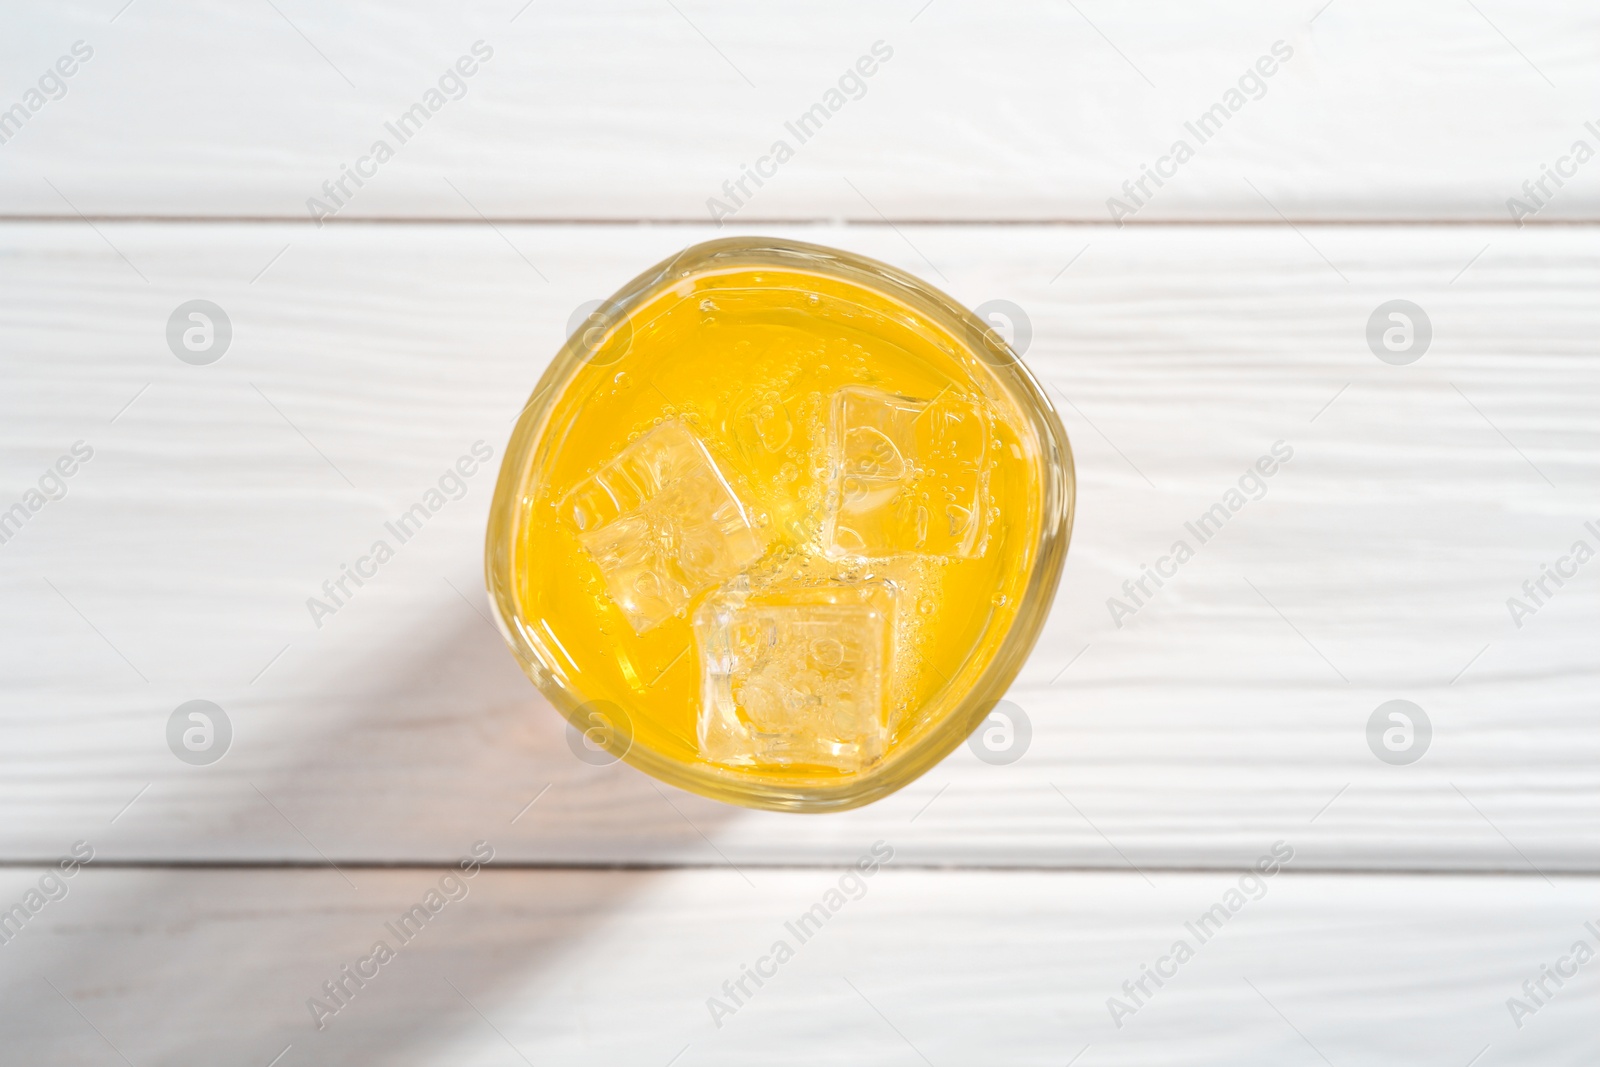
(643, 109)
(921, 967)
(179, 564)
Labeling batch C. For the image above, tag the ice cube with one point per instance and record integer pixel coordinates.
(662, 523)
(905, 475)
(796, 676)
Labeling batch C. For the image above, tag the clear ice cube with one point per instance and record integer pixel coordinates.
(662, 523)
(796, 676)
(905, 475)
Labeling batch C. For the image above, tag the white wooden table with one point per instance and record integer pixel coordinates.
(1171, 750)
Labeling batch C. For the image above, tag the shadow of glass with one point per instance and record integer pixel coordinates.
(211, 962)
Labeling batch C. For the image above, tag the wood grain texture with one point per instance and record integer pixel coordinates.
(923, 967)
(643, 109)
(1227, 713)
(1227, 716)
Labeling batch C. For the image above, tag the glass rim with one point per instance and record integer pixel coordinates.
(1057, 506)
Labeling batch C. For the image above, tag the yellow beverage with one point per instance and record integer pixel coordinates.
(780, 522)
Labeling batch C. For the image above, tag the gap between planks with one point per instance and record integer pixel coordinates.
(555, 866)
(743, 224)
